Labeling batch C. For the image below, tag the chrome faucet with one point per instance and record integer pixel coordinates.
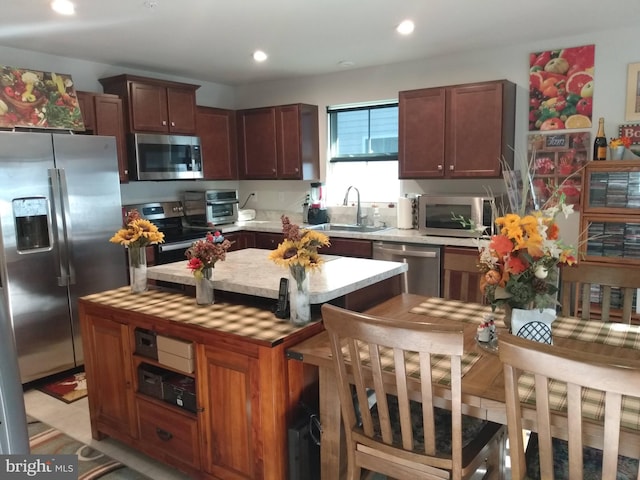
(358, 210)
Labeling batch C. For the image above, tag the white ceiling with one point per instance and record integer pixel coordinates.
(212, 40)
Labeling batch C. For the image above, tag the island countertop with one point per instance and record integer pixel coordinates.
(250, 272)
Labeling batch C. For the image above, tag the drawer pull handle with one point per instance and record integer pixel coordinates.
(164, 435)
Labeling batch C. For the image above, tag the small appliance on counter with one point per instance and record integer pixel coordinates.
(210, 207)
(317, 212)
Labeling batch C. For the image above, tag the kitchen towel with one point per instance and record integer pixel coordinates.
(405, 213)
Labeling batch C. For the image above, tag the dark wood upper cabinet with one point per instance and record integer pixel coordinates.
(280, 142)
(216, 128)
(103, 115)
(459, 131)
(155, 106)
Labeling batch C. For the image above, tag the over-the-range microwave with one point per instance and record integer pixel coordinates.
(164, 157)
(437, 214)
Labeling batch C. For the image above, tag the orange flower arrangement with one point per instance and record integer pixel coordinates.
(620, 142)
(520, 263)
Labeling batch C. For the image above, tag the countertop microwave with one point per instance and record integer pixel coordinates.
(435, 214)
(164, 157)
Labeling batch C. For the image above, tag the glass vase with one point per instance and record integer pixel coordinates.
(299, 300)
(137, 269)
(204, 287)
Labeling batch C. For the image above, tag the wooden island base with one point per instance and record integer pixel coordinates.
(246, 391)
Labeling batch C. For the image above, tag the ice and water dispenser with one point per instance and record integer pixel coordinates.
(31, 221)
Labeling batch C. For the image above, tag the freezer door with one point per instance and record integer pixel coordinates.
(90, 186)
(37, 306)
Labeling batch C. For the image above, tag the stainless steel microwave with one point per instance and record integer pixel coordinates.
(436, 214)
(164, 157)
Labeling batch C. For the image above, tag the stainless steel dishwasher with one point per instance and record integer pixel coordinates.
(425, 267)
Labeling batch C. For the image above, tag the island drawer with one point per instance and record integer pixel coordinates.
(164, 431)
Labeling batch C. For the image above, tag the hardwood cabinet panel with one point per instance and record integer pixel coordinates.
(233, 410)
(173, 436)
(349, 247)
(279, 142)
(459, 131)
(216, 128)
(109, 375)
(155, 106)
(241, 240)
(103, 115)
(268, 240)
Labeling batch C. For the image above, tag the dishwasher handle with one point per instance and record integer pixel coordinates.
(407, 253)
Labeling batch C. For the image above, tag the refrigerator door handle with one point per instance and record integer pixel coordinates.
(62, 232)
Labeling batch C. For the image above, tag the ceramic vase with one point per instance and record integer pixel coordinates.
(299, 300)
(204, 287)
(137, 269)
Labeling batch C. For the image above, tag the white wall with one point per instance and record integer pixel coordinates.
(615, 49)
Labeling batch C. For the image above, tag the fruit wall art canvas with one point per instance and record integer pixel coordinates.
(31, 98)
(561, 88)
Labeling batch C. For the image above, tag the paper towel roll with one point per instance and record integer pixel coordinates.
(405, 213)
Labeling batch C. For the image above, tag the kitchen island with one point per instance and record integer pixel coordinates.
(231, 423)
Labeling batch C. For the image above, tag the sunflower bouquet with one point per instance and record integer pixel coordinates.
(299, 250)
(137, 233)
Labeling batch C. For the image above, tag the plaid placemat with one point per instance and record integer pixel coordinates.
(440, 364)
(608, 333)
(247, 321)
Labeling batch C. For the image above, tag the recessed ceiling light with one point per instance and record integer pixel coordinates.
(63, 7)
(405, 28)
(346, 63)
(259, 56)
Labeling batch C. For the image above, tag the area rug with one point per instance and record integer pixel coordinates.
(68, 389)
(92, 464)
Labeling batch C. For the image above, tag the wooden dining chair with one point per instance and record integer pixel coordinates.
(576, 282)
(461, 276)
(547, 368)
(403, 435)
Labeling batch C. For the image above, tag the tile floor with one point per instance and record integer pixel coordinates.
(73, 419)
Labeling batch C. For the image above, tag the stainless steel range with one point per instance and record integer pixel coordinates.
(170, 219)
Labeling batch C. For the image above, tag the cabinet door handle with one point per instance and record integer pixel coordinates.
(164, 435)
(450, 167)
(173, 124)
(439, 167)
(164, 123)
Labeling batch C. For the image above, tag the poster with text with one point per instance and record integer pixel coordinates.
(561, 88)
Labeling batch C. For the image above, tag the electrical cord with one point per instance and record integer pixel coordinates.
(245, 202)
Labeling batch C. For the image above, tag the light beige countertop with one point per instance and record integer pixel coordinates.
(388, 235)
(250, 272)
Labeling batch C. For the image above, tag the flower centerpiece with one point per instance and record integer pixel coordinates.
(299, 253)
(618, 146)
(203, 255)
(136, 235)
(520, 263)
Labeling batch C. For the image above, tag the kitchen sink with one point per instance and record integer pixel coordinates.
(346, 227)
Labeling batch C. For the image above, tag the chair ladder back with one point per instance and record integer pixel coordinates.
(578, 371)
(465, 265)
(387, 354)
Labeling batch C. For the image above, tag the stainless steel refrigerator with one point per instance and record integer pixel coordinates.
(59, 205)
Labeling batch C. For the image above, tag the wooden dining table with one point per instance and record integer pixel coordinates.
(483, 393)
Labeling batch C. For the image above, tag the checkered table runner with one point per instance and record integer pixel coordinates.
(247, 321)
(440, 364)
(615, 334)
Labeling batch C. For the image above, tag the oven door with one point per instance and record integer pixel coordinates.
(165, 157)
(172, 251)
